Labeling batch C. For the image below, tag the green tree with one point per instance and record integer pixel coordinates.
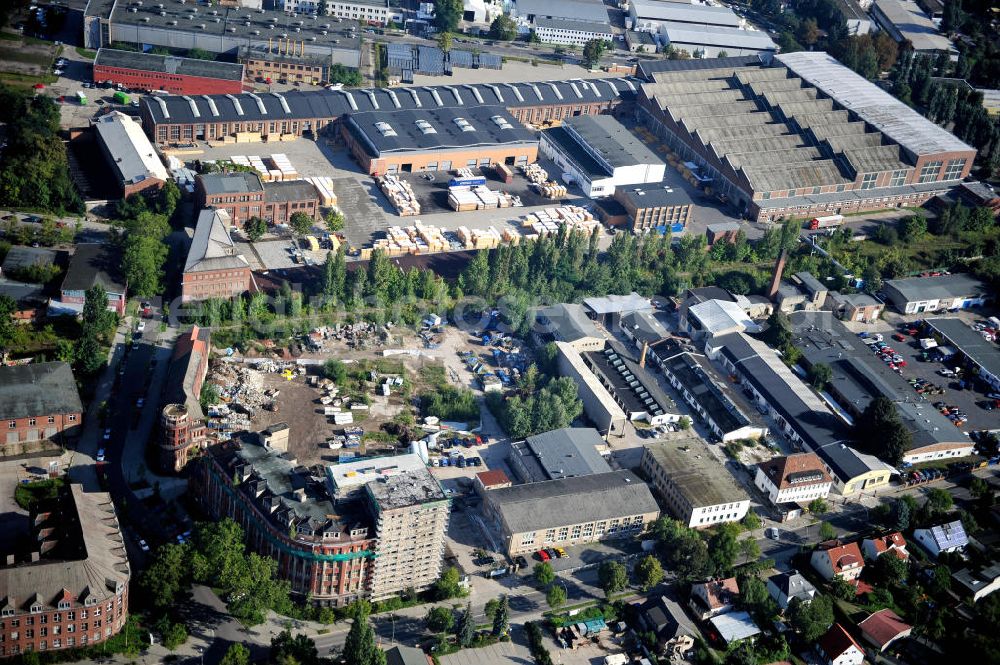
(503, 28)
(348, 76)
(842, 589)
(447, 14)
(555, 596)
(8, 326)
(167, 575)
(335, 273)
(174, 636)
(255, 228)
(301, 223)
(880, 431)
(939, 500)
(820, 375)
(440, 619)
(501, 619)
(811, 619)
(334, 221)
(491, 607)
(723, 548)
(912, 228)
(592, 52)
(752, 521)
(543, 573)
(613, 576)
(818, 506)
(467, 627)
(236, 654)
(298, 648)
(749, 550)
(826, 531)
(684, 423)
(648, 572)
(891, 570)
(335, 370)
(449, 585)
(359, 646)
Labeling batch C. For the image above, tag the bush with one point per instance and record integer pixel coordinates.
(451, 403)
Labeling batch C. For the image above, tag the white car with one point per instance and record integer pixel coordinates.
(143, 546)
(772, 533)
(107, 434)
(141, 328)
(139, 402)
(100, 455)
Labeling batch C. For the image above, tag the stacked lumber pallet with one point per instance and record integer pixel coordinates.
(324, 187)
(400, 194)
(479, 238)
(281, 163)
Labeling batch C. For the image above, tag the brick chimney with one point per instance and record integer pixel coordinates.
(779, 269)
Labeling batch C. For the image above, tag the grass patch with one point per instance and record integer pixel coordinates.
(85, 53)
(28, 495)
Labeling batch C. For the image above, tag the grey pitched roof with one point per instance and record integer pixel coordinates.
(948, 535)
(567, 322)
(617, 304)
(644, 326)
(240, 182)
(212, 248)
(93, 264)
(21, 292)
(938, 288)
(561, 453)
(570, 24)
(131, 153)
(591, 11)
(168, 64)
(38, 389)
(793, 585)
(554, 503)
(847, 463)
(404, 655)
(609, 141)
(289, 190)
(25, 257)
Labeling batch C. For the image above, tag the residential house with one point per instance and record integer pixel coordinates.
(784, 587)
(837, 647)
(92, 264)
(404, 655)
(666, 619)
(949, 537)
(833, 559)
(883, 628)
(714, 597)
(799, 478)
(859, 307)
(893, 542)
(978, 584)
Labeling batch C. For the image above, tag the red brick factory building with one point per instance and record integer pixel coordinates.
(178, 76)
(244, 195)
(182, 422)
(38, 401)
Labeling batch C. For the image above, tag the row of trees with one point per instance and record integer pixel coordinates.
(916, 81)
(34, 169)
(694, 555)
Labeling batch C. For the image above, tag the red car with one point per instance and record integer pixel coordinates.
(543, 555)
(899, 337)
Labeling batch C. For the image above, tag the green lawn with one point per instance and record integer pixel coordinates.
(28, 495)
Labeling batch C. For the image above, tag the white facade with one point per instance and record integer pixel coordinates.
(379, 13)
(956, 450)
(793, 494)
(704, 516)
(570, 35)
(851, 656)
(638, 174)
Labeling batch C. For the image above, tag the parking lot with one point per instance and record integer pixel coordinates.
(967, 400)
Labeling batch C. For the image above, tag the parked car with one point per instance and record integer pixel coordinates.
(100, 454)
(143, 545)
(772, 533)
(542, 555)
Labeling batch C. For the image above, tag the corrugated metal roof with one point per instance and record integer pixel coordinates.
(874, 105)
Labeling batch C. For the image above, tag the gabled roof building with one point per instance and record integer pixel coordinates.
(833, 559)
(947, 537)
(785, 587)
(798, 478)
(214, 267)
(837, 647)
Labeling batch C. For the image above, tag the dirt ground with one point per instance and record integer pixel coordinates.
(26, 59)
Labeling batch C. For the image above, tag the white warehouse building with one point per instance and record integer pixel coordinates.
(599, 154)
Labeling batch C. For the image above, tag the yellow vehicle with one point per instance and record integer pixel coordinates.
(288, 374)
(561, 552)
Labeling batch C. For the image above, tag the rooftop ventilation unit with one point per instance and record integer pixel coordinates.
(464, 124)
(425, 127)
